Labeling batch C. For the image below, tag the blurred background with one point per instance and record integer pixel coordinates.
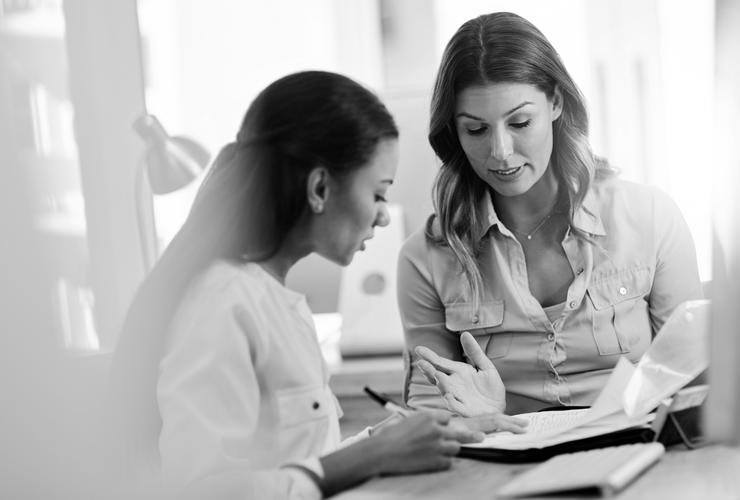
(82, 222)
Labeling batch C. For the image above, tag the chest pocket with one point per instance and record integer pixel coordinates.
(483, 323)
(305, 414)
(620, 320)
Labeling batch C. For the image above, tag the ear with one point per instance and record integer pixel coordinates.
(557, 103)
(317, 189)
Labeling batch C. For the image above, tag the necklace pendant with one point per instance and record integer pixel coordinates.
(529, 236)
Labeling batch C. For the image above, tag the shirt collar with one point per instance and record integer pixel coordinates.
(587, 218)
(489, 217)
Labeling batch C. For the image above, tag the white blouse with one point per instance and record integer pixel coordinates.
(243, 387)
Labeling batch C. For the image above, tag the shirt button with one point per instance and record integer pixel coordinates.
(622, 290)
(579, 271)
(550, 337)
(476, 319)
(572, 304)
(316, 405)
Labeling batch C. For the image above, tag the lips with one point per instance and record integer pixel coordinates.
(508, 174)
(507, 171)
(362, 243)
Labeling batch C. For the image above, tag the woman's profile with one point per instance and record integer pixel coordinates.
(220, 380)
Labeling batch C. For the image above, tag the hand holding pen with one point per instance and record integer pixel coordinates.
(456, 429)
(387, 403)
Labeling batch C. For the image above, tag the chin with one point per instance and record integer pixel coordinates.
(341, 260)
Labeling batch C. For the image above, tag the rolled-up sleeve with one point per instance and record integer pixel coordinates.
(423, 319)
(676, 271)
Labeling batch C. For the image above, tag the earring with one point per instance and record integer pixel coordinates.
(317, 207)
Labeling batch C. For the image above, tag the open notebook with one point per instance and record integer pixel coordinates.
(550, 428)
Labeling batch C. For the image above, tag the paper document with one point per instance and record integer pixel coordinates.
(676, 356)
(552, 427)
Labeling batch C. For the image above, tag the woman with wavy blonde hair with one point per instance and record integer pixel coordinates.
(553, 265)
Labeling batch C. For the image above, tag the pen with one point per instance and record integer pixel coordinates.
(387, 403)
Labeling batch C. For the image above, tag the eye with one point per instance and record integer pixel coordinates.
(380, 198)
(475, 131)
(521, 125)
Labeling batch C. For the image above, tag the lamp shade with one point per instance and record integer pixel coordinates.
(171, 162)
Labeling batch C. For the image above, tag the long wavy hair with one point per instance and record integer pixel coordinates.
(254, 193)
(500, 48)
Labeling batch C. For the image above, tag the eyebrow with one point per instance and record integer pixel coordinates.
(511, 111)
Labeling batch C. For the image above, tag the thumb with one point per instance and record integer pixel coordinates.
(474, 352)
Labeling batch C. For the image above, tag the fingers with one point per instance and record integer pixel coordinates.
(474, 352)
(512, 424)
(440, 416)
(449, 447)
(442, 364)
(461, 433)
(383, 424)
(430, 373)
(496, 422)
(449, 428)
(434, 376)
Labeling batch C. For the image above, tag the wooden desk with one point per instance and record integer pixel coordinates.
(706, 473)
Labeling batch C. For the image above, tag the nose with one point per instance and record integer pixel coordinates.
(501, 145)
(383, 218)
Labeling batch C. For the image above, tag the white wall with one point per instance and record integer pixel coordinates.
(632, 59)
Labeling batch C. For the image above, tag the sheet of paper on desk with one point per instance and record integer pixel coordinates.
(553, 427)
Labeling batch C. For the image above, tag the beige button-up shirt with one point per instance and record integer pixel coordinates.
(640, 265)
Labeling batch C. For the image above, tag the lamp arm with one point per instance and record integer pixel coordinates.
(146, 225)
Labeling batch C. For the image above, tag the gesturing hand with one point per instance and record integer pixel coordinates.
(468, 389)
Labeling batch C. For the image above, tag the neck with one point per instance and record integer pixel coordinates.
(291, 251)
(528, 209)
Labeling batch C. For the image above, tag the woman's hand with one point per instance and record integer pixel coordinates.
(492, 422)
(468, 389)
(424, 441)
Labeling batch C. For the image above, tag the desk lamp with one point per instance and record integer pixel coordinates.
(170, 163)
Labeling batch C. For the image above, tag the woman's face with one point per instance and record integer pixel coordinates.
(356, 204)
(505, 130)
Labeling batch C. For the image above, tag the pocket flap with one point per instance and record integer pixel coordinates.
(302, 404)
(619, 287)
(462, 316)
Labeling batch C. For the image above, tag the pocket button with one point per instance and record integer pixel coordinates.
(476, 319)
(622, 290)
(550, 337)
(315, 405)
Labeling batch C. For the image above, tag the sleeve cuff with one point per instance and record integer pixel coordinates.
(307, 475)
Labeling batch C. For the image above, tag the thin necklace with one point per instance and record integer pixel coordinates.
(536, 228)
